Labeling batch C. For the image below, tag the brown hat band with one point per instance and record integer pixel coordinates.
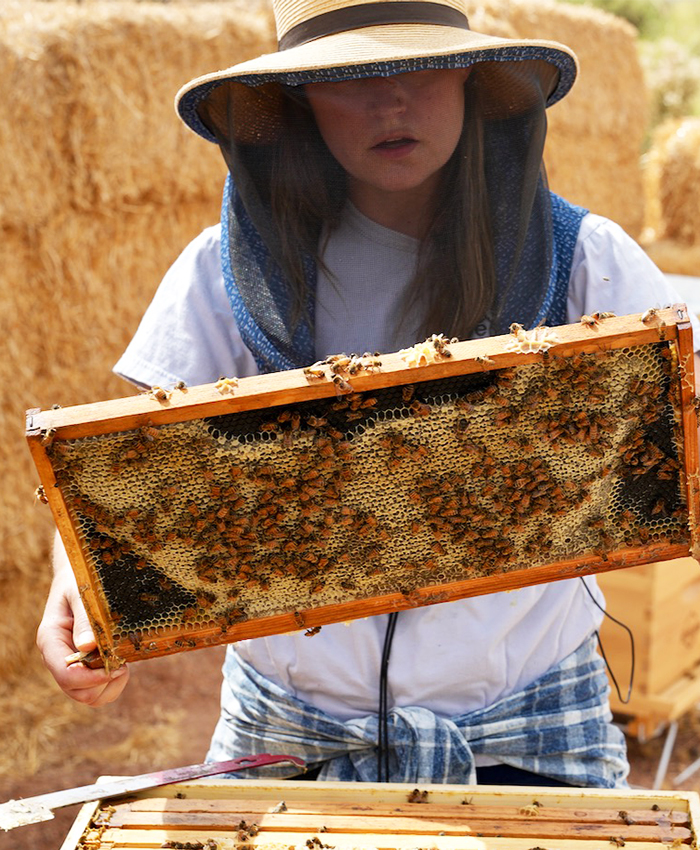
(373, 14)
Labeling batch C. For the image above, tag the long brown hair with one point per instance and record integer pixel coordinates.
(455, 276)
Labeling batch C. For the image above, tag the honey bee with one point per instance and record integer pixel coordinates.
(440, 343)
(338, 362)
(531, 810)
(315, 372)
(181, 385)
(418, 796)
(317, 421)
(47, 436)
(589, 321)
(484, 360)
(314, 630)
(649, 315)
(342, 387)
(419, 409)
(148, 598)
(159, 394)
(40, 495)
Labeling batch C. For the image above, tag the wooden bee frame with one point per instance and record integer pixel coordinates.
(219, 814)
(372, 484)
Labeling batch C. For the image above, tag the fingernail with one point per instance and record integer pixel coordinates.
(85, 638)
(118, 672)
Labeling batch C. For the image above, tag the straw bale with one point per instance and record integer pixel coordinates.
(671, 235)
(679, 183)
(110, 176)
(33, 178)
(596, 133)
(105, 74)
(24, 529)
(71, 296)
(674, 257)
(652, 165)
(122, 145)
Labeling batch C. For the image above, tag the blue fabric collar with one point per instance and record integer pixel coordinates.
(246, 259)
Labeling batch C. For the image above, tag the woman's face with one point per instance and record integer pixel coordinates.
(391, 134)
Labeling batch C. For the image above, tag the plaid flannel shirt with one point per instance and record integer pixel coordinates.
(559, 726)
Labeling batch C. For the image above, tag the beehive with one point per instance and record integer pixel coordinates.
(368, 484)
(229, 815)
(660, 603)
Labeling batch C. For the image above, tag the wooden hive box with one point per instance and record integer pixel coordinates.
(370, 484)
(660, 603)
(264, 815)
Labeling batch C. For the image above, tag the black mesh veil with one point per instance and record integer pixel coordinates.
(488, 257)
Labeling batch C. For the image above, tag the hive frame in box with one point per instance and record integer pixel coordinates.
(489, 440)
(264, 814)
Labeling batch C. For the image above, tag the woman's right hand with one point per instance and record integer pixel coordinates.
(65, 629)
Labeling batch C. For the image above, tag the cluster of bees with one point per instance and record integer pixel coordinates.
(362, 494)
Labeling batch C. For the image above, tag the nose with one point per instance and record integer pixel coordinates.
(386, 94)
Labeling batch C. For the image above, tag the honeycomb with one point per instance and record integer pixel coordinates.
(223, 520)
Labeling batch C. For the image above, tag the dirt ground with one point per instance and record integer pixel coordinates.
(181, 689)
(185, 688)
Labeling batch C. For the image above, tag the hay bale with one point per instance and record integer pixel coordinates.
(71, 296)
(24, 528)
(674, 257)
(121, 145)
(90, 90)
(33, 178)
(672, 186)
(596, 133)
(679, 184)
(652, 165)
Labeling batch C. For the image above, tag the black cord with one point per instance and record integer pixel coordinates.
(383, 715)
(602, 651)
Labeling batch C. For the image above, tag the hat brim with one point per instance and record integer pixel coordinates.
(381, 51)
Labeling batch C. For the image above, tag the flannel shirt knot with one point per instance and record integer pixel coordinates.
(559, 726)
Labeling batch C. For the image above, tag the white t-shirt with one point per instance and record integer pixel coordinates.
(449, 658)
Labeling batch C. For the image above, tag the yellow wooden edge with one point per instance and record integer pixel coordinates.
(80, 824)
(152, 838)
(292, 386)
(395, 792)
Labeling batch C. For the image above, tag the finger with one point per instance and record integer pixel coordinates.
(96, 690)
(83, 637)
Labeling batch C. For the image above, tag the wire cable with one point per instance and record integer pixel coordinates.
(602, 651)
(383, 714)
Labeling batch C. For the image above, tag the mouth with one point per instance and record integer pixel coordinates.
(395, 147)
(395, 142)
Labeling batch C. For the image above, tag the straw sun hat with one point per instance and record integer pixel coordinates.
(331, 40)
